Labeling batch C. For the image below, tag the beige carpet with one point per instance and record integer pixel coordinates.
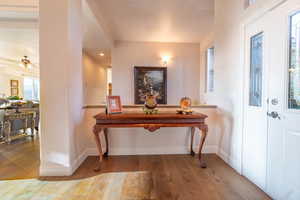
(110, 186)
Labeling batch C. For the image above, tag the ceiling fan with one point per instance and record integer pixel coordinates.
(23, 62)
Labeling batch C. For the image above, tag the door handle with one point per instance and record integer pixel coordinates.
(274, 115)
(274, 102)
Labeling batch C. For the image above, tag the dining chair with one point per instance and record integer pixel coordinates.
(15, 122)
(2, 114)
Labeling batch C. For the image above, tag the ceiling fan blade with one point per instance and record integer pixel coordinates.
(4, 62)
(9, 60)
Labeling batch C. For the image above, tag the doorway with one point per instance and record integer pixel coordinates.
(19, 95)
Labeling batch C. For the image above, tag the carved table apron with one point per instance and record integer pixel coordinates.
(150, 123)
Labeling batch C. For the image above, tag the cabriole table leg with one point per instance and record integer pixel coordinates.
(203, 132)
(106, 142)
(192, 140)
(97, 130)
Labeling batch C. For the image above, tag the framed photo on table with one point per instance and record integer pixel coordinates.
(114, 105)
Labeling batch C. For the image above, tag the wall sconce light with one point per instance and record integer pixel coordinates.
(165, 60)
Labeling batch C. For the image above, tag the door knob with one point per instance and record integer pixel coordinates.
(274, 102)
(274, 115)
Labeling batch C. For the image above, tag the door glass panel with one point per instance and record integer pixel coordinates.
(256, 66)
(294, 65)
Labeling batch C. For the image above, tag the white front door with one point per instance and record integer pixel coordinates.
(255, 101)
(283, 167)
(271, 142)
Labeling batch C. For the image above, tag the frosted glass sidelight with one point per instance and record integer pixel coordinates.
(294, 63)
(256, 66)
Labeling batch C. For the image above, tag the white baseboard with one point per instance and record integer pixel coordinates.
(80, 159)
(51, 169)
(230, 160)
(223, 155)
(151, 151)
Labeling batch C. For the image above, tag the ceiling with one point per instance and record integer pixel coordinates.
(26, 39)
(19, 34)
(19, 10)
(94, 40)
(107, 21)
(15, 43)
(157, 20)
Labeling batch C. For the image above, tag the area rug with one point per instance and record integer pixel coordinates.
(109, 186)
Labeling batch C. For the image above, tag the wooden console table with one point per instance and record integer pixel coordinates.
(150, 123)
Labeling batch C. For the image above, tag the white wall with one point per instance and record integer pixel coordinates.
(183, 69)
(61, 87)
(228, 75)
(5, 79)
(95, 81)
(14, 72)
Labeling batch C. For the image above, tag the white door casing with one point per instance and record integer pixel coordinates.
(255, 120)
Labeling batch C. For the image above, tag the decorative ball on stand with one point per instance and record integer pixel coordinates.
(185, 106)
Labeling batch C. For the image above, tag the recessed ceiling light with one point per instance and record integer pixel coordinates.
(101, 54)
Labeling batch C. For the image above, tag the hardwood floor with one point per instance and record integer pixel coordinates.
(20, 159)
(176, 177)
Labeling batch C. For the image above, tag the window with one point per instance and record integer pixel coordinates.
(256, 67)
(109, 81)
(294, 63)
(31, 88)
(210, 61)
(249, 3)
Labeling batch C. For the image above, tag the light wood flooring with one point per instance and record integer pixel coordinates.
(176, 177)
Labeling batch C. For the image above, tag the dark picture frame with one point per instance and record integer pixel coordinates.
(147, 79)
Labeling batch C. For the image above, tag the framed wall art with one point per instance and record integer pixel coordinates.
(14, 83)
(150, 80)
(14, 92)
